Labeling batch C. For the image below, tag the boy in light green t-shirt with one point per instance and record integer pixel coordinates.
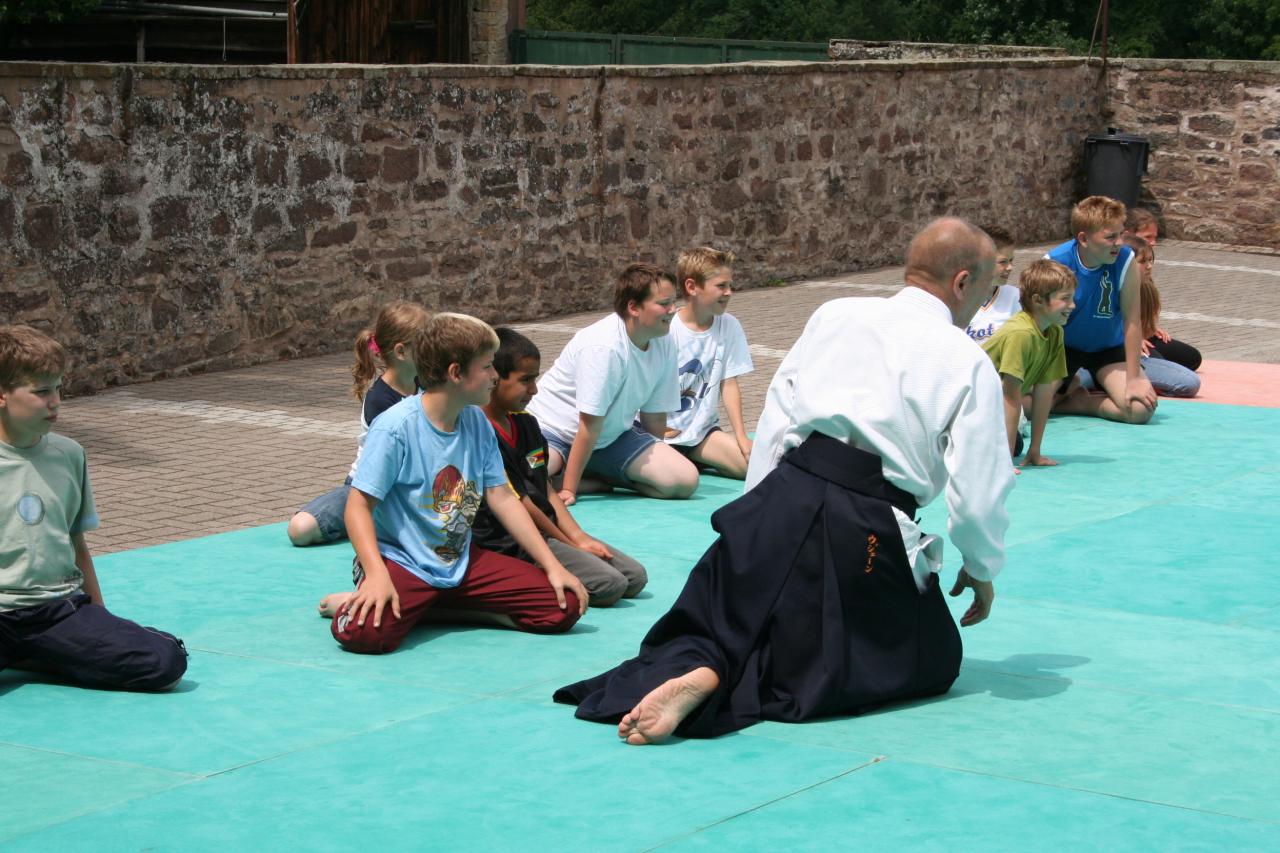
(1029, 353)
(52, 618)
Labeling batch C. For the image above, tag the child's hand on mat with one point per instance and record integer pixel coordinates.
(593, 546)
(1037, 459)
(561, 579)
(568, 497)
(1141, 390)
(984, 592)
(374, 595)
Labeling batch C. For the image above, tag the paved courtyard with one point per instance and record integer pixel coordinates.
(193, 456)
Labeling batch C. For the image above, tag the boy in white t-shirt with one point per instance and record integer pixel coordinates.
(713, 353)
(1005, 299)
(619, 366)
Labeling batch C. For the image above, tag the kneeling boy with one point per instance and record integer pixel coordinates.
(415, 493)
(607, 573)
(620, 365)
(1104, 334)
(1028, 351)
(51, 611)
(713, 353)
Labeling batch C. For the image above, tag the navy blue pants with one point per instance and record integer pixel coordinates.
(805, 607)
(87, 644)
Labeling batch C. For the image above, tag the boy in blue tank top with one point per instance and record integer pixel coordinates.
(1104, 334)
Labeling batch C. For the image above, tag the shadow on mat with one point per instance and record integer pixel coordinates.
(1073, 459)
(12, 679)
(425, 632)
(1021, 677)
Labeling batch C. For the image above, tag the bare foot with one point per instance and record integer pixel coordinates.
(658, 714)
(331, 603)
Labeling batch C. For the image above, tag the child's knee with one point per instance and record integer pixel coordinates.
(160, 667)
(637, 579)
(303, 529)
(1138, 414)
(551, 620)
(606, 590)
(363, 639)
(679, 481)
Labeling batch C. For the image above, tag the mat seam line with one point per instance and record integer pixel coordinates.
(766, 804)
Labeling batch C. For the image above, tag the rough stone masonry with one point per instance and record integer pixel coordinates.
(171, 219)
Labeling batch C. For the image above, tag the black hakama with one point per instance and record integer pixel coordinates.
(805, 606)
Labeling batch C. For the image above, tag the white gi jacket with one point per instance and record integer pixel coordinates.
(895, 377)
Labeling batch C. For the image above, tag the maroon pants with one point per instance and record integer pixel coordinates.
(494, 583)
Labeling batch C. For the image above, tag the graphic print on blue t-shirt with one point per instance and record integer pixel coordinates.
(455, 502)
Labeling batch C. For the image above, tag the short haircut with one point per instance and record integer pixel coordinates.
(947, 246)
(636, 284)
(700, 264)
(1000, 237)
(513, 348)
(1140, 217)
(26, 353)
(1042, 278)
(448, 339)
(1093, 214)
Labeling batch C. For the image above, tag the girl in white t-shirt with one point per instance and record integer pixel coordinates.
(1005, 299)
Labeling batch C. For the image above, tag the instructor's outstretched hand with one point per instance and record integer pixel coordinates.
(984, 592)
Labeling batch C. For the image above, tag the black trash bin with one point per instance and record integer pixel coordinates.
(1115, 163)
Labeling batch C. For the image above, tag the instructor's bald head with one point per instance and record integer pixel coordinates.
(954, 260)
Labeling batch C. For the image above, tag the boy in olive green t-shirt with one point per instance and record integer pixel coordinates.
(1029, 353)
(51, 613)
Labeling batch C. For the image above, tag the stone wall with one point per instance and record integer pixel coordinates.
(1214, 129)
(488, 36)
(169, 219)
(857, 49)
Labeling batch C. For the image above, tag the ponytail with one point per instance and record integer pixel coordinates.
(397, 323)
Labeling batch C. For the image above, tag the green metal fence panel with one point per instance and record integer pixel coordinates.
(764, 50)
(638, 50)
(583, 49)
(543, 47)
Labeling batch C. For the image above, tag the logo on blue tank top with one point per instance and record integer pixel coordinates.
(1105, 289)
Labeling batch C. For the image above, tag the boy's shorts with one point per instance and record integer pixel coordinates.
(1092, 361)
(609, 463)
(329, 512)
(686, 450)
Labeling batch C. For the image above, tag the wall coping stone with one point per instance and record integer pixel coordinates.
(1216, 65)
(860, 49)
(162, 71)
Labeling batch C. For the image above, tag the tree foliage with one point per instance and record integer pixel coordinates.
(25, 11)
(1208, 29)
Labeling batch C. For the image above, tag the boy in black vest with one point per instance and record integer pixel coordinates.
(606, 572)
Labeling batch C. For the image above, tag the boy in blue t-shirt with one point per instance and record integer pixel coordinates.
(1104, 334)
(426, 463)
